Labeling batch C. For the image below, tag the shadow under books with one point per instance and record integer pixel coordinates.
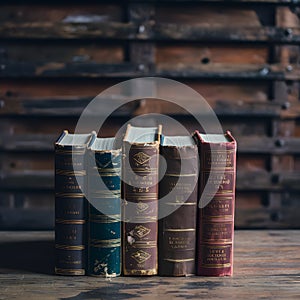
(31, 256)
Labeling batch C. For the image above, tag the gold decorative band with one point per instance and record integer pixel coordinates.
(149, 171)
(105, 245)
(181, 203)
(112, 196)
(217, 246)
(70, 172)
(61, 271)
(143, 246)
(69, 195)
(220, 241)
(180, 229)
(71, 222)
(105, 219)
(180, 175)
(106, 241)
(223, 197)
(107, 170)
(228, 265)
(179, 260)
(222, 217)
(70, 152)
(68, 247)
(107, 174)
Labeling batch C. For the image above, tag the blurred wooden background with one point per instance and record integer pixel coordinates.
(242, 56)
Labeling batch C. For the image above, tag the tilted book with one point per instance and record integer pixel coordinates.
(140, 197)
(216, 203)
(178, 206)
(70, 203)
(104, 217)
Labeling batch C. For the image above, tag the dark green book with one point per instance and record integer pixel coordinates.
(70, 203)
(104, 186)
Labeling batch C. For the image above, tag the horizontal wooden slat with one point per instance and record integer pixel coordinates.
(158, 31)
(221, 34)
(263, 218)
(26, 219)
(63, 106)
(73, 106)
(27, 180)
(60, 30)
(276, 145)
(61, 52)
(58, 69)
(237, 71)
(194, 53)
(37, 142)
(246, 181)
(96, 70)
(274, 210)
(263, 180)
(60, 11)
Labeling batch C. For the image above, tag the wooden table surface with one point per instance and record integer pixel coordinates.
(266, 266)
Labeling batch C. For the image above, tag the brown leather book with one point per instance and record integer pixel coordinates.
(216, 204)
(140, 200)
(177, 228)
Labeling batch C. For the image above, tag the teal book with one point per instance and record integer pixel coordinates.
(104, 216)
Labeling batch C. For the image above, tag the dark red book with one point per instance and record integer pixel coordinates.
(177, 224)
(140, 200)
(217, 181)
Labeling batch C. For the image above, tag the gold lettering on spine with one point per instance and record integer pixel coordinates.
(222, 158)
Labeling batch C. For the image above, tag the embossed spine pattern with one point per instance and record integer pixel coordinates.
(177, 231)
(70, 204)
(104, 233)
(216, 219)
(140, 194)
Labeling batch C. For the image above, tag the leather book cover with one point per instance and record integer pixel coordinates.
(217, 203)
(140, 200)
(70, 204)
(177, 230)
(104, 220)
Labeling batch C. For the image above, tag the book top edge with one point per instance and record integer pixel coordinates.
(142, 135)
(215, 138)
(178, 141)
(104, 144)
(69, 139)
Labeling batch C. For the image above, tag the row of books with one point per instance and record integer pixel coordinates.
(171, 214)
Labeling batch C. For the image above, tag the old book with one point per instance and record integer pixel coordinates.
(217, 203)
(70, 203)
(104, 221)
(177, 228)
(140, 195)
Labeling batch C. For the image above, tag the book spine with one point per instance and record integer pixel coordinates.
(104, 241)
(177, 231)
(216, 219)
(70, 211)
(140, 209)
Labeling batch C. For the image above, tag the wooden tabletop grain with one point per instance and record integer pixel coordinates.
(266, 266)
